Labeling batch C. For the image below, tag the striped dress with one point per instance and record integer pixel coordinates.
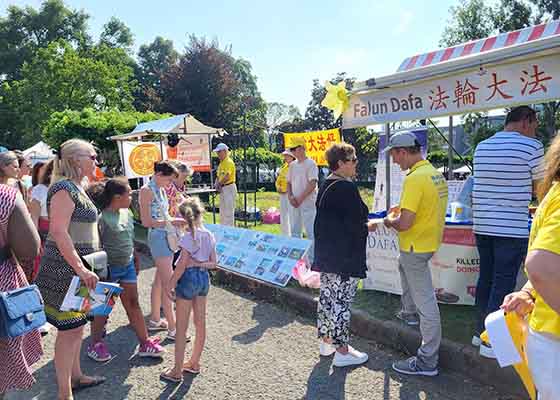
(17, 355)
(56, 274)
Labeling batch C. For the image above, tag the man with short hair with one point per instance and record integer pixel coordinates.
(419, 222)
(507, 167)
(225, 185)
(302, 180)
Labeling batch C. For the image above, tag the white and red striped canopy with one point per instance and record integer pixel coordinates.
(482, 45)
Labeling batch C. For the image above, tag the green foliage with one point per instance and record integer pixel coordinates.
(154, 62)
(25, 30)
(262, 157)
(117, 35)
(440, 158)
(95, 126)
(60, 78)
(470, 20)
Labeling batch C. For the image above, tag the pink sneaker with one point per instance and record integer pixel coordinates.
(151, 348)
(99, 352)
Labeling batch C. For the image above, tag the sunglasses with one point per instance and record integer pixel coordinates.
(353, 159)
(92, 157)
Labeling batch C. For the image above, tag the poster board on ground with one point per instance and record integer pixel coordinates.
(258, 255)
(454, 267)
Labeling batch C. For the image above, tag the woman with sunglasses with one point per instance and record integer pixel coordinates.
(73, 234)
(341, 230)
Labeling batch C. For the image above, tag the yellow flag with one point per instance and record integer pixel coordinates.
(518, 331)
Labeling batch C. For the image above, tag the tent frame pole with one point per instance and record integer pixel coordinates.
(387, 169)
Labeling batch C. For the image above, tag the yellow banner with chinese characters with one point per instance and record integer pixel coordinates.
(316, 143)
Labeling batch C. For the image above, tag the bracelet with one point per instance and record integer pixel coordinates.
(530, 293)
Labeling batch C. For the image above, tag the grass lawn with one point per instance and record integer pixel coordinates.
(458, 322)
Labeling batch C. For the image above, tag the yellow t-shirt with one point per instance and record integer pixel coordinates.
(545, 235)
(226, 167)
(424, 193)
(282, 180)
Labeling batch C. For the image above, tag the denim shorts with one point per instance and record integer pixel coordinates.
(157, 242)
(194, 282)
(123, 274)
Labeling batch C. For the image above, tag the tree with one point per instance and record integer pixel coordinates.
(547, 9)
(25, 30)
(116, 34)
(60, 78)
(470, 20)
(209, 83)
(154, 61)
(95, 126)
(277, 115)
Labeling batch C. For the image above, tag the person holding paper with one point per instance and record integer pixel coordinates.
(225, 185)
(341, 230)
(72, 234)
(541, 295)
(419, 222)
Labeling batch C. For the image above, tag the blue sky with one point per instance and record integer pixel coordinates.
(288, 42)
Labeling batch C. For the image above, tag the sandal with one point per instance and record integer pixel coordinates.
(79, 384)
(166, 376)
(188, 368)
(154, 326)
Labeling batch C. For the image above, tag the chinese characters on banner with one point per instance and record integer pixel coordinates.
(525, 82)
(315, 143)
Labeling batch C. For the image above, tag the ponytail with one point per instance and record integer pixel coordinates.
(102, 193)
(192, 211)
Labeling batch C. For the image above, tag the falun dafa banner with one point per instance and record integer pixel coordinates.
(316, 143)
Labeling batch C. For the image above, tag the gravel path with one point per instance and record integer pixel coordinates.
(254, 350)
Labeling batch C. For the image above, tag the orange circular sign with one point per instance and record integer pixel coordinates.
(142, 159)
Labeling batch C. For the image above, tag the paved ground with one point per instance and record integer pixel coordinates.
(254, 350)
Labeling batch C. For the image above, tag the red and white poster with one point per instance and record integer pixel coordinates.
(194, 151)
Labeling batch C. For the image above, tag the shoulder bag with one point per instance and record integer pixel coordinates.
(21, 310)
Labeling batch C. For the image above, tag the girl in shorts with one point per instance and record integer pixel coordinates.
(189, 284)
(116, 232)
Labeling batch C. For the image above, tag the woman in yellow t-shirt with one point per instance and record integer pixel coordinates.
(282, 188)
(540, 297)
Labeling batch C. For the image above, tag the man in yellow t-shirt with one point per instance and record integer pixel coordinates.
(225, 185)
(419, 223)
(282, 189)
(541, 295)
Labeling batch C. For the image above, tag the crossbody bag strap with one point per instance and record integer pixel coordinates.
(325, 191)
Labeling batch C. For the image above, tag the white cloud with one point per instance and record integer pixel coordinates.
(404, 22)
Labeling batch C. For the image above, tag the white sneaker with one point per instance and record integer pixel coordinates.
(486, 350)
(353, 357)
(476, 341)
(326, 349)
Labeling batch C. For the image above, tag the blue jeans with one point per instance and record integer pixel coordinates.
(500, 260)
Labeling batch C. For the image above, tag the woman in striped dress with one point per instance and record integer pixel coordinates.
(72, 234)
(18, 240)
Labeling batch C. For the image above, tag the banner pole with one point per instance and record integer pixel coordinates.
(450, 151)
(387, 169)
(122, 158)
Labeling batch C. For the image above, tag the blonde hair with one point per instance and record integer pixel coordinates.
(65, 165)
(6, 158)
(552, 168)
(192, 211)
